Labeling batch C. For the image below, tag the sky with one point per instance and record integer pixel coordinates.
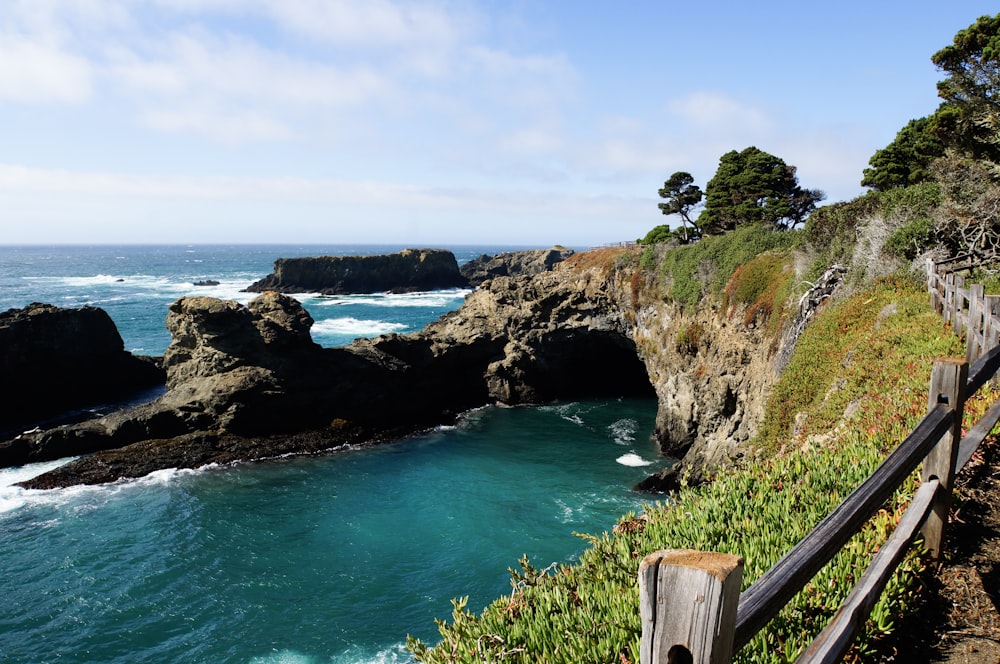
(434, 123)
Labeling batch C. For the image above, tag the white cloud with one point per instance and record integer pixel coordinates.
(368, 23)
(37, 72)
(87, 187)
(720, 112)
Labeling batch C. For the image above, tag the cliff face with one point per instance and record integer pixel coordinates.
(408, 270)
(248, 382)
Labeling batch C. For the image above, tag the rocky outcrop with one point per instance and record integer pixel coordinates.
(249, 383)
(406, 271)
(53, 360)
(513, 264)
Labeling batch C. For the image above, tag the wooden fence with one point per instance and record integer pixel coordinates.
(690, 604)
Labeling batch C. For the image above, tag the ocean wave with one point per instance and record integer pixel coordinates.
(356, 326)
(438, 298)
(634, 460)
(106, 288)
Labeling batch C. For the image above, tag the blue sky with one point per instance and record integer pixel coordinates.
(431, 123)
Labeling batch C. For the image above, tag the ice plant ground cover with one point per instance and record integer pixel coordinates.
(856, 385)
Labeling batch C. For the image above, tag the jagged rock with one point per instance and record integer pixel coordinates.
(513, 264)
(53, 360)
(406, 271)
(252, 374)
(248, 383)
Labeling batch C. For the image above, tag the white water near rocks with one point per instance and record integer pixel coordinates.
(331, 559)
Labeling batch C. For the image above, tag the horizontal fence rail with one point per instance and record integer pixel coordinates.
(697, 618)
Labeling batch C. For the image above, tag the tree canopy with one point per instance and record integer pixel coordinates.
(682, 197)
(754, 186)
(970, 114)
(907, 159)
(967, 121)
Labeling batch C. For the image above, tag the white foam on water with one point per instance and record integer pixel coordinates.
(356, 326)
(438, 298)
(13, 497)
(623, 431)
(10, 476)
(284, 657)
(82, 496)
(396, 654)
(634, 460)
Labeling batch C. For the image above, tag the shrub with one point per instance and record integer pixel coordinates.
(761, 286)
(912, 239)
(690, 338)
(704, 268)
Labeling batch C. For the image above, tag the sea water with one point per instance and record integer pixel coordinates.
(328, 559)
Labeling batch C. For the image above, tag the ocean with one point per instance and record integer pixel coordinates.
(329, 559)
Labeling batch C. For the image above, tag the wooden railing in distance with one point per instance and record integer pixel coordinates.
(687, 604)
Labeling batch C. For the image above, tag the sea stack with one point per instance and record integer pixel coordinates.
(407, 271)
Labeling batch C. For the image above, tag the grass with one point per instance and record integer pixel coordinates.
(856, 385)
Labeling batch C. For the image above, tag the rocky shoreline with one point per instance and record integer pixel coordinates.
(248, 383)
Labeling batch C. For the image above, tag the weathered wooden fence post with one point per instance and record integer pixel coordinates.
(688, 600)
(947, 387)
(975, 342)
(950, 299)
(933, 281)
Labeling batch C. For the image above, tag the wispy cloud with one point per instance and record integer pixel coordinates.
(33, 71)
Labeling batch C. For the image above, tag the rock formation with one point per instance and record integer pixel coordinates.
(53, 360)
(248, 382)
(406, 271)
(513, 264)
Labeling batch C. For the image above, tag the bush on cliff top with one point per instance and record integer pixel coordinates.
(703, 269)
(875, 349)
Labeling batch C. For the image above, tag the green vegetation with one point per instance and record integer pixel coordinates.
(907, 159)
(761, 287)
(682, 196)
(749, 187)
(853, 389)
(873, 350)
(690, 338)
(704, 268)
(753, 186)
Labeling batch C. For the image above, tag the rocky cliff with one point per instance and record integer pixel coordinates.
(53, 360)
(513, 264)
(408, 270)
(249, 383)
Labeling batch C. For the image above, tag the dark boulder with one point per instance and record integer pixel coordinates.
(53, 360)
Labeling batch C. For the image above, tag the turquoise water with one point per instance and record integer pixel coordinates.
(331, 559)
